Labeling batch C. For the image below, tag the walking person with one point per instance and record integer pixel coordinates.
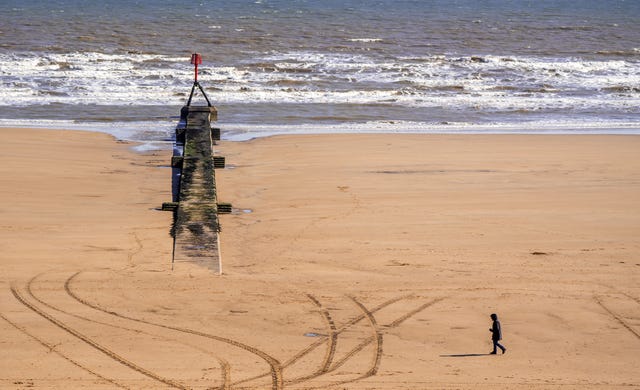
(496, 335)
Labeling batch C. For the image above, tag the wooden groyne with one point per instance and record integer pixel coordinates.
(196, 224)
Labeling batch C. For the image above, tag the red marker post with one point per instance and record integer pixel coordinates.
(196, 59)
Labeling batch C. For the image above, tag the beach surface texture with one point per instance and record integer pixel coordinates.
(350, 262)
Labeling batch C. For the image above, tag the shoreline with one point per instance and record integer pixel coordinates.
(423, 236)
(150, 138)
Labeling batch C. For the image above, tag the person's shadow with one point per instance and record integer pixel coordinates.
(467, 355)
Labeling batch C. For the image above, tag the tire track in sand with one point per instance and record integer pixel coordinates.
(371, 339)
(377, 335)
(323, 340)
(333, 335)
(42, 302)
(341, 329)
(274, 364)
(224, 365)
(617, 317)
(226, 374)
(53, 349)
(413, 312)
(630, 297)
(356, 349)
(332, 340)
(94, 344)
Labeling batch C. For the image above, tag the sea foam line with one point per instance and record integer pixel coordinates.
(153, 135)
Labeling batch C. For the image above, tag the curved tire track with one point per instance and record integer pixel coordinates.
(50, 306)
(331, 347)
(377, 335)
(333, 335)
(274, 364)
(223, 364)
(323, 340)
(360, 346)
(94, 344)
(341, 329)
(368, 341)
(53, 349)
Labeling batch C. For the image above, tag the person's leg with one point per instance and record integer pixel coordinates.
(495, 344)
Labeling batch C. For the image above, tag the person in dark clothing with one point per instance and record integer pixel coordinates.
(496, 335)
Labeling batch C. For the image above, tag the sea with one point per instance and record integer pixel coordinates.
(322, 66)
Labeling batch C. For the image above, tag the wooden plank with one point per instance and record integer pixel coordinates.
(218, 162)
(169, 206)
(224, 208)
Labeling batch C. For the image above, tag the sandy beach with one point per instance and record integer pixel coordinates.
(351, 262)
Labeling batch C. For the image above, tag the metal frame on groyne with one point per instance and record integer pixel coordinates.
(196, 225)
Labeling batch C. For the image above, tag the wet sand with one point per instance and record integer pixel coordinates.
(351, 261)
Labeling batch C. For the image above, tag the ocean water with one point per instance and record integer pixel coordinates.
(309, 66)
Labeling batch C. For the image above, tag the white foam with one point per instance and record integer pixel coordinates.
(463, 83)
(132, 131)
(366, 40)
(238, 132)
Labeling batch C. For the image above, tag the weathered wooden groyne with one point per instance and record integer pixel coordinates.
(195, 206)
(196, 224)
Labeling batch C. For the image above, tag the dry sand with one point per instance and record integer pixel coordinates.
(353, 261)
